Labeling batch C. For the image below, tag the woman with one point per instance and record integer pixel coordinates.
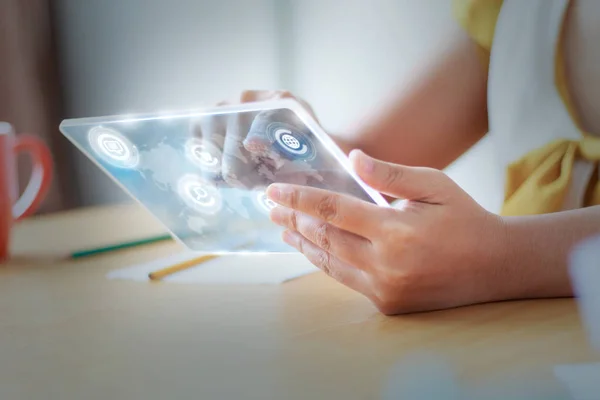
(538, 93)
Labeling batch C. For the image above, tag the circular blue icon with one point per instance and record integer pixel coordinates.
(290, 141)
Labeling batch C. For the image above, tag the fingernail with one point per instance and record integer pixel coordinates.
(276, 215)
(364, 162)
(279, 193)
(289, 237)
(274, 193)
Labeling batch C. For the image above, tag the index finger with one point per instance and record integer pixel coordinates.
(238, 164)
(345, 212)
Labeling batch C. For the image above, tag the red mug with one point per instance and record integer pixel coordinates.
(13, 208)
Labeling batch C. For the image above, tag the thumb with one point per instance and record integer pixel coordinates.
(410, 183)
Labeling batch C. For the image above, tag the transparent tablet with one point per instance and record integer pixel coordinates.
(203, 174)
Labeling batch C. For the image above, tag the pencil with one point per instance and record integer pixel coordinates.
(118, 246)
(161, 273)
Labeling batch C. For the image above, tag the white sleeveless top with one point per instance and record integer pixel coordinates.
(525, 109)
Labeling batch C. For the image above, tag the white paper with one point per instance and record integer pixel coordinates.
(422, 376)
(581, 380)
(254, 269)
(425, 376)
(585, 276)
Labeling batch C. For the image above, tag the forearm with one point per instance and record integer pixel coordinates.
(537, 251)
(440, 116)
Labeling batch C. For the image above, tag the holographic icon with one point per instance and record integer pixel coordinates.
(200, 195)
(204, 155)
(291, 141)
(263, 203)
(113, 147)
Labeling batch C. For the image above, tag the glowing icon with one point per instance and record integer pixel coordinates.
(270, 204)
(290, 141)
(198, 192)
(204, 154)
(264, 203)
(285, 138)
(205, 157)
(113, 147)
(200, 195)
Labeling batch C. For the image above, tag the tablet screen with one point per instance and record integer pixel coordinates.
(204, 175)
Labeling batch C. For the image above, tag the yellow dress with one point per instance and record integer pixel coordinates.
(517, 40)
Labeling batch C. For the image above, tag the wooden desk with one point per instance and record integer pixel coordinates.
(66, 332)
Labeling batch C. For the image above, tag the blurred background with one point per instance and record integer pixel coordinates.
(73, 58)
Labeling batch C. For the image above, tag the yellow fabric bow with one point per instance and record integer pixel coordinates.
(539, 182)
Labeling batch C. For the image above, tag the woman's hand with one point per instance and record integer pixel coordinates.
(251, 96)
(248, 160)
(439, 249)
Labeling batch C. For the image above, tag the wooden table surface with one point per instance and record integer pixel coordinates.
(67, 332)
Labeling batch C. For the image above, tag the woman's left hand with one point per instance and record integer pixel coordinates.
(438, 250)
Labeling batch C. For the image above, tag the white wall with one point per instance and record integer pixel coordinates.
(344, 56)
(126, 56)
(350, 55)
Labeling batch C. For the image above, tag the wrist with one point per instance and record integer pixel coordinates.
(530, 266)
(495, 258)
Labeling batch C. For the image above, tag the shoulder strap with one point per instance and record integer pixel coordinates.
(478, 18)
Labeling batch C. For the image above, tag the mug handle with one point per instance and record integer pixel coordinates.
(41, 175)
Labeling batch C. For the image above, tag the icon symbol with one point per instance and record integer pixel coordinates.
(290, 141)
(204, 154)
(270, 204)
(264, 203)
(200, 195)
(205, 157)
(113, 147)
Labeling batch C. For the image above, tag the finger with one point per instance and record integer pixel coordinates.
(249, 156)
(272, 164)
(213, 128)
(345, 212)
(257, 140)
(339, 270)
(411, 183)
(249, 96)
(237, 164)
(204, 147)
(344, 245)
